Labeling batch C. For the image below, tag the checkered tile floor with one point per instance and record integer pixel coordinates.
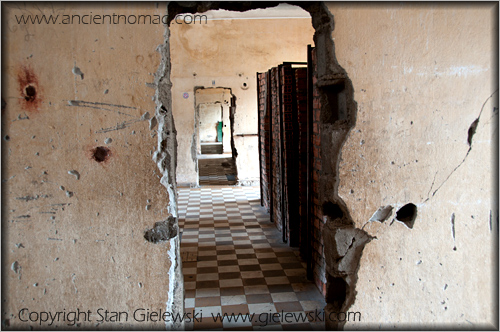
(234, 262)
(219, 171)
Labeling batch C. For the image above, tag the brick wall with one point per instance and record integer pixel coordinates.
(301, 160)
(317, 213)
(276, 148)
(290, 154)
(264, 138)
(283, 142)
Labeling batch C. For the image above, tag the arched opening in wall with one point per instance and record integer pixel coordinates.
(234, 259)
(213, 122)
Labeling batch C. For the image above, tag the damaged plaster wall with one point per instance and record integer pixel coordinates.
(422, 75)
(228, 53)
(334, 112)
(79, 185)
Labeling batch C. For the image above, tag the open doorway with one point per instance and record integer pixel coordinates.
(216, 155)
(235, 261)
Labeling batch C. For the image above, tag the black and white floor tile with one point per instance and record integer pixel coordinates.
(234, 262)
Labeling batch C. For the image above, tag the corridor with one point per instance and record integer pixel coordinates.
(234, 262)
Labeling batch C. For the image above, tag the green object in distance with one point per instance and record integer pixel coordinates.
(219, 131)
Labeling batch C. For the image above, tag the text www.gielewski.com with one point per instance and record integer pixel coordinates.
(109, 19)
(145, 315)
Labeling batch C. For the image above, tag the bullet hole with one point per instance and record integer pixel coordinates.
(100, 154)
(30, 93)
(407, 215)
(244, 85)
(332, 210)
(28, 89)
(6, 137)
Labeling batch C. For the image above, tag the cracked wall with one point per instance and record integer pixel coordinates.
(422, 74)
(79, 186)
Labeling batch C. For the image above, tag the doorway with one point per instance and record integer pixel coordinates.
(215, 148)
(235, 261)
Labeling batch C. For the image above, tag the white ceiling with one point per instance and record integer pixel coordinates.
(282, 11)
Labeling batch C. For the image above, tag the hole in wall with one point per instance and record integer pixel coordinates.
(162, 231)
(472, 131)
(100, 154)
(6, 137)
(338, 99)
(407, 215)
(333, 211)
(336, 103)
(29, 89)
(336, 293)
(29, 93)
(212, 141)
